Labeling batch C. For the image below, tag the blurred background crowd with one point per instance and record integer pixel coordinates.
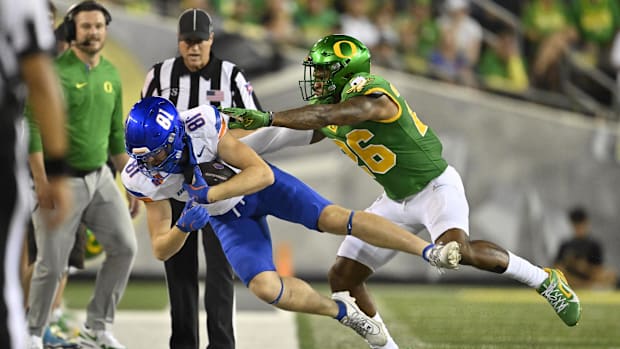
(563, 53)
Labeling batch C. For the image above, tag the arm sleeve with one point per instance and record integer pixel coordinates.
(270, 139)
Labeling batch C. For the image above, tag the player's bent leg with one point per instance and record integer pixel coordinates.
(293, 294)
(480, 254)
(370, 228)
(289, 293)
(349, 275)
(552, 285)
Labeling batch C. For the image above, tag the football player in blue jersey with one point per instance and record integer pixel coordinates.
(167, 148)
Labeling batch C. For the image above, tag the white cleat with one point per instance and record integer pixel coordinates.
(371, 330)
(98, 339)
(34, 342)
(445, 256)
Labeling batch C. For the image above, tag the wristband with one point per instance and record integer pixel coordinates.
(270, 118)
(56, 167)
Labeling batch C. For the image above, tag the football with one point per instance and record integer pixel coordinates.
(215, 172)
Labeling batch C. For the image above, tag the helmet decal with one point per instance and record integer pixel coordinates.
(338, 50)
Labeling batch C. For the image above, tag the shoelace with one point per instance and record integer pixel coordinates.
(434, 258)
(555, 297)
(359, 323)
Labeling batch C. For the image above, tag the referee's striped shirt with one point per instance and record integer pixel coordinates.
(25, 29)
(220, 83)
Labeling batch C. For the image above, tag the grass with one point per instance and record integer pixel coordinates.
(434, 317)
(451, 317)
(139, 295)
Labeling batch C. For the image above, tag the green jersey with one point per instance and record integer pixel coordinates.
(94, 112)
(401, 153)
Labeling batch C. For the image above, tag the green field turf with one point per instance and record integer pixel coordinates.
(477, 318)
(436, 317)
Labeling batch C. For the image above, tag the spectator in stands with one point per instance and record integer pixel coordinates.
(315, 19)
(549, 31)
(277, 19)
(495, 15)
(597, 22)
(385, 53)
(418, 36)
(244, 11)
(461, 30)
(581, 257)
(448, 64)
(355, 21)
(502, 66)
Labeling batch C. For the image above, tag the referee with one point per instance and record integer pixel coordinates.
(198, 77)
(25, 65)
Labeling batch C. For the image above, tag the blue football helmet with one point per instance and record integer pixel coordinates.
(154, 136)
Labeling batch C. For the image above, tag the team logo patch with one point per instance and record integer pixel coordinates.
(357, 84)
(107, 87)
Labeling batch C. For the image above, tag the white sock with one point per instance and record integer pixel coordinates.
(521, 270)
(390, 341)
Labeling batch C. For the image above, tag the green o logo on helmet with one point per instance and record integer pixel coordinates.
(338, 49)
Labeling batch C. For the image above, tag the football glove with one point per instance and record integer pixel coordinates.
(248, 119)
(200, 189)
(193, 217)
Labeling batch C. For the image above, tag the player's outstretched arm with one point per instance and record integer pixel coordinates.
(316, 116)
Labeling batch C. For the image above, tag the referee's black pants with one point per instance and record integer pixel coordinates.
(182, 281)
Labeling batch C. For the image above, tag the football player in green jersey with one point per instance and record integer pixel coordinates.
(373, 125)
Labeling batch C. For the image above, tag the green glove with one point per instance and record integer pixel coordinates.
(248, 119)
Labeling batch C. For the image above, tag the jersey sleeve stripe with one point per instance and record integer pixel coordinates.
(376, 90)
(220, 123)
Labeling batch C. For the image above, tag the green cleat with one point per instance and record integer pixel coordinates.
(561, 297)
